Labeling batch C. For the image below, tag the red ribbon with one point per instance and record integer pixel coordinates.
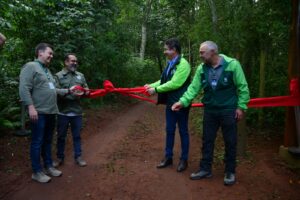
(279, 101)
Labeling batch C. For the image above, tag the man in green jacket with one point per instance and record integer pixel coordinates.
(70, 111)
(173, 83)
(225, 100)
(38, 93)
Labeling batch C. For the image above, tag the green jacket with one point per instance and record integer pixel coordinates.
(176, 83)
(224, 97)
(69, 103)
(37, 87)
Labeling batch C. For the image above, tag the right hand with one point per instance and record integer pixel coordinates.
(176, 106)
(33, 115)
(147, 86)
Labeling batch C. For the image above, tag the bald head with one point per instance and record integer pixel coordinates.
(208, 51)
(2, 39)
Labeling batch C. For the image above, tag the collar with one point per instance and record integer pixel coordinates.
(173, 60)
(42, 64)
(65, 72)
(222, 62)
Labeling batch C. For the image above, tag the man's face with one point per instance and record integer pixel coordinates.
(71, 63)
(46, 55)
(206, 54)
(169, 53)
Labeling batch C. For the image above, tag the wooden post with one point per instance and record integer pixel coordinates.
(242, 138)
(290, 137)
(22, 132)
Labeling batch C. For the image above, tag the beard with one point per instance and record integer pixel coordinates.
(72, 67)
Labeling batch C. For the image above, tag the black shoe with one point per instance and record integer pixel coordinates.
(164, 163)
(200, 175)
(182, 165)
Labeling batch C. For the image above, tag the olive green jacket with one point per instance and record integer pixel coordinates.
(37, 88)
(69, 103)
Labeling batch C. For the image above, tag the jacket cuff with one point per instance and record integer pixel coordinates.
(183, 102)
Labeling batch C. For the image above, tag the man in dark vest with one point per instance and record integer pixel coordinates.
(173, 83)
(225, 99)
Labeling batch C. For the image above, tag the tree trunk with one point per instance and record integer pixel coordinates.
(290, 137)
(214, 17)
(144, 40)
(147, 10)
(159, 61)
(261, 92)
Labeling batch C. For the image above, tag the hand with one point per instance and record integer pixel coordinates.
(151, 91)
(176, 106)
(87, 92)
(147, 86)
(76, 90)
(33, 115)
(239, 113)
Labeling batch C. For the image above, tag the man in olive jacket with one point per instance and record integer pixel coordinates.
(70, 111)
(173, 83)
(225, 99)
(38, 93)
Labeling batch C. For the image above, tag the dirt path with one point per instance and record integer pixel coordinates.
(122, 150)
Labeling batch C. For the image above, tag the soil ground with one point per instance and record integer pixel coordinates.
(122, 148)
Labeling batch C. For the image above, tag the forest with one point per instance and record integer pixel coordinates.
(122, 40)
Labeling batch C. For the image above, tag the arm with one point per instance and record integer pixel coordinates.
(242, 87)
(181, 74)
(193, 89)
(155, 84)
(25, 87)
(60, 91)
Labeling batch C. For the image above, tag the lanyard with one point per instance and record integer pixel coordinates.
(45, 70)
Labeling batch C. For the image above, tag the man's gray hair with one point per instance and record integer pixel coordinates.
(210, 45)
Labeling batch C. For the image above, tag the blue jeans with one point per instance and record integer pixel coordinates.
(41, 141)
(181, 118)
(211, 123)
(63, 123)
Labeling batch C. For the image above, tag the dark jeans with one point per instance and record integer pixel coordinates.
(211, 124)
(63, 123)
(181, 118)
(41, 141)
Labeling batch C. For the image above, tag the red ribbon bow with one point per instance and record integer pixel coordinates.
(108, 87)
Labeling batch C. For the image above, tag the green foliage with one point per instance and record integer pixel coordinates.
(106, 36)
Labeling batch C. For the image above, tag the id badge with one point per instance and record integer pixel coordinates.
(51, 86)
(214, 82)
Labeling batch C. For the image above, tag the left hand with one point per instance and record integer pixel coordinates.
(151, 91)
(75, 91)
(239, 113)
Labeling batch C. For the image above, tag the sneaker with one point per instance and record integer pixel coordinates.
(40, 177)
(229, 179)
(58, 162)
(200, 175)
(53, 172)
(79, 161)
